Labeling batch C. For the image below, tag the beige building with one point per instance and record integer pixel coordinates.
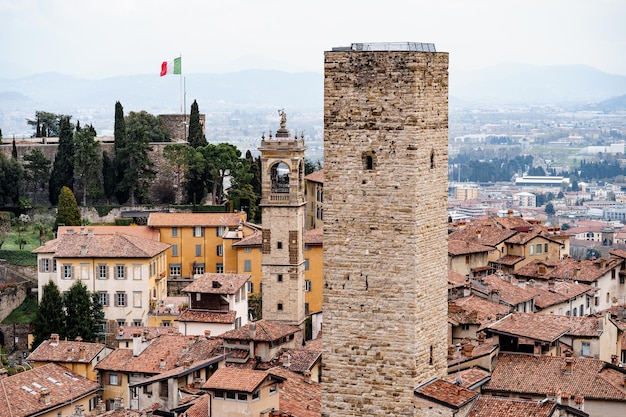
(314, 183)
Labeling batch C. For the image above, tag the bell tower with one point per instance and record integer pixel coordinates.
(283, 207)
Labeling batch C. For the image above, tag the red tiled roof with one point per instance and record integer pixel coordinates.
(469, 377)
(265, 331)
(456, 280)
(314, 236)
(139, 231)
(20, 393)
(529, 374)
(66, 351)
(252, 240)
(445, 392)
(237, 379)
(317, 176)
(511, 292)
(547, 327)
(203, 316)
(475, 310)
(483, 232)
(107, 246)
(195, 219)
(211, 283)
(506, 407)
(299, 396)
(559, 291)
(463, 247)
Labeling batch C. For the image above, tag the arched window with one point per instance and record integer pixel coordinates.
(369, 160)
(280, 178)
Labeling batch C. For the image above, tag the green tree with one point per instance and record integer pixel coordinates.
(135, 159)
(196, 178)
(11, 175)
(152, 127)
(80, 314)
(67, 212)
(119, 143)
(88, 164)
(5, 226)
(179, 157)
(222, 160)
(63, 167)
(50, 317)
(109, 180)
(196, 137)
(310, 166)
(14, 150)
(550, 209)
(49, 122)
(36, 171)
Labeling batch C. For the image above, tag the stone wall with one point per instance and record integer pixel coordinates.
(385, 229)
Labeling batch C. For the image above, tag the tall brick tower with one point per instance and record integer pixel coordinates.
(385, 226)
(283, 207)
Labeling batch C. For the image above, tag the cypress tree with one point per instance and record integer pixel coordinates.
(63, 167)
(14, 151)
(38, 131)
(196, 137)
(50, 317)
(67, 212)
(119, 143)
(79, 319)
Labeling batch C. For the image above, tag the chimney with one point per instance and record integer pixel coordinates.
(90, 232)
(81, 353)
(542, 269)
(162, 363)
(481, 338)
(54, 339)
(478, 234)
(566, 399)
(468, 349)
(495, 296)
(207, 334)
(287, 361)
(252, 331)
(78, 339)
(614, 359)
(44, 396)
(569, 365)
(579, 403)
(451, 351)
(550, 285)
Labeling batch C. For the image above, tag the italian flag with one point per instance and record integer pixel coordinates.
(172, 67)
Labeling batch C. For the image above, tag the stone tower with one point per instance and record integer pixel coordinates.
(385, 226)
(283, 207)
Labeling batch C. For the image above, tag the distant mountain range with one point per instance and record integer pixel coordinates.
(507, 84)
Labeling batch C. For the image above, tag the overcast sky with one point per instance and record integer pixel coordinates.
(103, 38)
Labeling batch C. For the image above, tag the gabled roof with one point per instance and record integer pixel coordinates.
(470, 377)
(559, 291)
(162, 354)
(314, 236)
(195, 219)
(475, 310)
(456, 280)
(66, 351)
(20, 394)
(506, 407)
(547, 327)
(462, 247)
(204, 316)
(263, 331)
(299, 360)
(210, 283)
(483, 232)
(139, 231)
(511, 292)
(299, 396)
(254, 239)
(117, 245)
(446, 393)
(238, 379)
(538, 375)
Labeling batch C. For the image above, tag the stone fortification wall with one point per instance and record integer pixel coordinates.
(385, 228)
(178, 125)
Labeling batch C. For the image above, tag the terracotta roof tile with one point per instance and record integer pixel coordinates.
(195, 219)
(569, 268)
(505, 407)
(469, 377)
(252, 240)
(237, 379)
(149, 332)
(463, 247)
(265, 331)
(475, 310)
(203, 316)
(299, 396)
(445, 392)
(139, 231)
(160, 355)
(546, 327)
(556, 292)
(456, 280)
(20, 394)
(589, 378)
(210, 283)
(107, 246)
(511, 291)
(314, 236)
(66, 351)
(317, 176)
(483, 232)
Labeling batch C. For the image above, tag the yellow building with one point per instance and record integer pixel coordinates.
(198, 241)
(50, 390)
(77, 356)
(314, 194)
(126, 271)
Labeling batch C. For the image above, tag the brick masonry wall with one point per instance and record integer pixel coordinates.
(385, 252)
